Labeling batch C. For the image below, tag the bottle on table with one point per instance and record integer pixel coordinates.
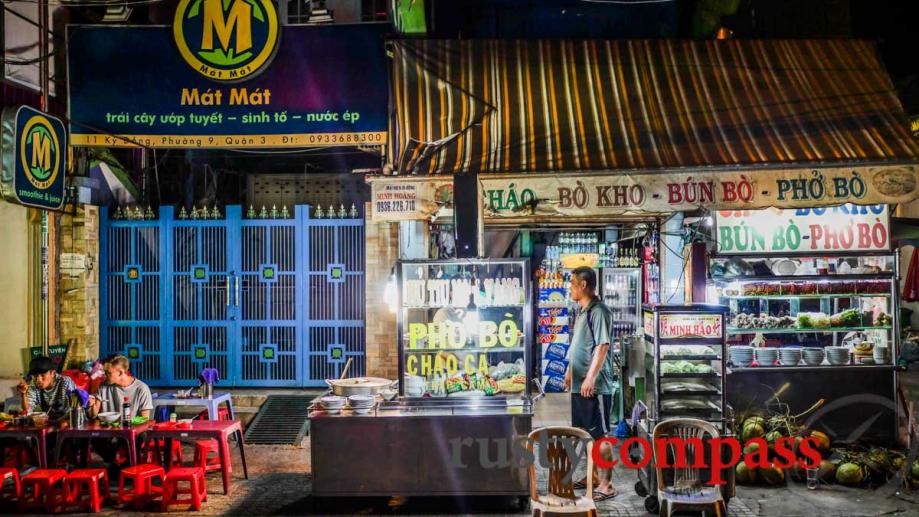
(126, 413)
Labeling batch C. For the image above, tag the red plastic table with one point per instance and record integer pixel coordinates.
(131, 435)
(219, 430)
(38, 434)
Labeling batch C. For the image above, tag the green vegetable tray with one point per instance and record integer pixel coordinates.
(693, 375)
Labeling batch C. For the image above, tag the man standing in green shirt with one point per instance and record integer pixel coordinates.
(590, 371)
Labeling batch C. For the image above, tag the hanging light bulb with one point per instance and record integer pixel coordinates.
(390, 294)
(471, 317)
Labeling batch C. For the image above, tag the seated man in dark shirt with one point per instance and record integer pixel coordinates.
(48, 392)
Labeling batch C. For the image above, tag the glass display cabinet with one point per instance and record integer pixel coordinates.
(465, 338)
(685, 345)
(818, 328)
(815, 305)
(465, 328)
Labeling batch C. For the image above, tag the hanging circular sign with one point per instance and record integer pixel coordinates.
(226, 40)
(39, 151)
(34, 158)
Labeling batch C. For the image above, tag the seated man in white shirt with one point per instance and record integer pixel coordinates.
(120, 384)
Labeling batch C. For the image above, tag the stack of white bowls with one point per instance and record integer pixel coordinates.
(767, 356)
(813, 356)
(790, 356)
(361, 404)
(332, 404)
(837, 355)
(880, 354)
(742, 356)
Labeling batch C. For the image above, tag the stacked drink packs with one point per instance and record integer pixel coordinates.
(554, 339)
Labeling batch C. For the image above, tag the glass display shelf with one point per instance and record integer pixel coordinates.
(689, 357)
(883, 275)
(703, 413)
(689, 393)
(464, 349)
(479, 307)
(709, 375)
(804, 296)
(805, 368)
(794, 330)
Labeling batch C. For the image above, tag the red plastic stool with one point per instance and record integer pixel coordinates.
(142, 487)
(197, 490)
(48, 491)
(203, 458)
(155, 448)
(16, 456)
(83, 489)
(222, 414)
(12, 475)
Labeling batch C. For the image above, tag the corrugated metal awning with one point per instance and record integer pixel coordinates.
(548, 106)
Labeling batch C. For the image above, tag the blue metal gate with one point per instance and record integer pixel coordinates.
(269, 302)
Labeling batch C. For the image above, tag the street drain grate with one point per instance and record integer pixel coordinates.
(282, 420)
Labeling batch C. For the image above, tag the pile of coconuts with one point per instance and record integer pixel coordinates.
(863, 466)
(772, 430)
(851, 466)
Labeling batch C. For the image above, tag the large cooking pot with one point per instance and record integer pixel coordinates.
(359, 386)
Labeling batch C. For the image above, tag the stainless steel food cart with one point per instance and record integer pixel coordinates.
(421, 448)
(685, 365)
(464, 404)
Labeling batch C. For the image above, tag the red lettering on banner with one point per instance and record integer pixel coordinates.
(717, 459)
(808, 449)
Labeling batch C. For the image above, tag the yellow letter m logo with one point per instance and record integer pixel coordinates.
(239, 17)
(41, 151)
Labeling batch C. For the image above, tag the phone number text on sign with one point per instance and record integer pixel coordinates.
(396, 199)
(674, 326)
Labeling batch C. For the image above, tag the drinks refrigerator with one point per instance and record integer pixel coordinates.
(620, 289)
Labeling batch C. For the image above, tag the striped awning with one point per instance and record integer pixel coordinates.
(552, 106)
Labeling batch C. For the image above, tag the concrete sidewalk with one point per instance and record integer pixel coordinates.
(279, 484)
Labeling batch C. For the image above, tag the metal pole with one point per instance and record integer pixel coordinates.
(48, 219)
(480, 214)
(43, 52)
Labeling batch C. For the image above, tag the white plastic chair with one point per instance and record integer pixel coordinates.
(560, 497)
(684, 489)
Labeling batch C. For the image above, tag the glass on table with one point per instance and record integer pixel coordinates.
(812, 478)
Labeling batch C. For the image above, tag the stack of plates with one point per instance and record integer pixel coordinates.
(742, 356)
(361, 404)
(766, 356)
(837, 355)
(880, 354)
(332, 404)
(790, 356)
(813, 356)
